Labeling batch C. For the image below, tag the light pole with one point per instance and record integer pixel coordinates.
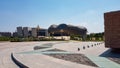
(52, 35)
(61, 31)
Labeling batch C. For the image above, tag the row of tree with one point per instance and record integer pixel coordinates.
(95, 36)
(3, 38)
(89, 37)
(18, 39)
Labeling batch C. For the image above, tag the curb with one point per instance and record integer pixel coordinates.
(17, 62)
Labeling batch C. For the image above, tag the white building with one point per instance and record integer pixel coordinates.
(34, 32)
(25, 31)
(19, 31)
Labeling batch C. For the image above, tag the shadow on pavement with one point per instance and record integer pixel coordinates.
(111, 54)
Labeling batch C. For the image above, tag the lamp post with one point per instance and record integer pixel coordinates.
(61, 31)
(52, 35)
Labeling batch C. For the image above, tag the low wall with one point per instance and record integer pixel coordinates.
(17, 62)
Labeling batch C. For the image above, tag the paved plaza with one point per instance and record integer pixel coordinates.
(24, 52)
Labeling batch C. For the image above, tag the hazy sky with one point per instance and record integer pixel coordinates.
(88, 13)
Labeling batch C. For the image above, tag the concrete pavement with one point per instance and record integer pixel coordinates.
(6, 48)
(29, 57)
(36, 60)
(43, 61)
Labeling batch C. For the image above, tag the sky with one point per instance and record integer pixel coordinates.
(30, 13)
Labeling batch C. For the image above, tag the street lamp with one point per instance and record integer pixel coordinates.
(61, 31)
(52, 35)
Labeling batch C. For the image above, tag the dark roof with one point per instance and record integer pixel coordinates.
(62, 26)
(53, 26)
(68, 28)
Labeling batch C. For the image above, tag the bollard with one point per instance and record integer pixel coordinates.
(88, 46)
(95, 44)
(78, 49)
(92, 45)
(83, 47)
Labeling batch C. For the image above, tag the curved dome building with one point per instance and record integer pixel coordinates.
(67, 30)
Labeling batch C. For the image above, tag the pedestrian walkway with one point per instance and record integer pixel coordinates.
(34, 51)
(44, 51)
(44, 61)
(103, 62)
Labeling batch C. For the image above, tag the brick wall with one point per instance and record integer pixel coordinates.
(112, 29)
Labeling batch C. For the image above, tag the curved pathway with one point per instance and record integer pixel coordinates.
(6, 48)
(37, 60)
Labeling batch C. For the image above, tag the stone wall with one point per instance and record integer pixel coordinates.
(112, 29)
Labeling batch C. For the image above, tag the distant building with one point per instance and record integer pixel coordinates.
(112, 30)
(6, 34)
(15, 34)
(42, 32)
(26, 31)
(34, 32)
(19, 32)
(67, 30)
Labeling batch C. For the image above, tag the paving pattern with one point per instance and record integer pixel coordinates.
(25, 53)
(6, 48)
(103, 62)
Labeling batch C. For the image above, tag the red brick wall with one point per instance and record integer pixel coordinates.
(112, 29)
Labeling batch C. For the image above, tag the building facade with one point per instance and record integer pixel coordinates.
(6, 34)
(67, 30)
(19, 31)
(112, 29)
(30, 32)
(34, 32)
(26, 31)
(42, 32)
(15, 34)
